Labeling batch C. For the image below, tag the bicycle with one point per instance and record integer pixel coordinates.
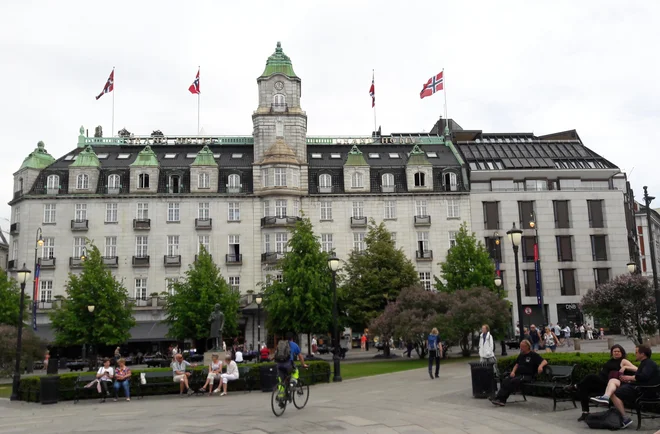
(297, 393)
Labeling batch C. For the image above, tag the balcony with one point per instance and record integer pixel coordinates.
(273, 222)
(113, 190)
(279, 107)
(141, 224)
(111, 261)
(234, 259)
(422, 220)
(271, 257)
(79, 225)
(387, 188)
(14, 228)
(11, 264)
(52, 190)
(234, 189)
(358, 222)
(197, 256)
(49, 304)
(47, 263)
(424, 255)
(141, 261)
(172, 260)
(203, 223)
(326, 190)
(76, 262)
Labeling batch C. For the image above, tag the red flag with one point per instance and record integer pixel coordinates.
(194, 88)
(109, 85)
(433, 85)
(372, 93)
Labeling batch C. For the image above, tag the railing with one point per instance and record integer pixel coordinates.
(203, 223)
(167, 140)
(76, 262)
(271, 257)
(47, 263)
(424, 255)
(14, 228)
(141, 224)
(279, 221)
(422, 220)
(79, 225)
(172, 260)
(234, 189)
(387, 188)
(110, 261)
(234, 259)
(358, 222)
(279, 107)
(328, 189)
(114, 190)
(141, 261)
(11, 264)
(52, 190)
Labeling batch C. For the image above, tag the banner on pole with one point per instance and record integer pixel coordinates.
(537, 274)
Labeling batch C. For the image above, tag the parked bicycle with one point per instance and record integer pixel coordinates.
(293, 390)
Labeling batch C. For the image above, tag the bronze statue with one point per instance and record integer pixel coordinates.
(217, 320)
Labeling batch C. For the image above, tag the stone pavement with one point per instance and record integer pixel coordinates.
(405, 402)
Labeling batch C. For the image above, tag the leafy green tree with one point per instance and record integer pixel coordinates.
(112, 319)
(10, 300)
(302, 301)
(33, 348)
(627, 302)
(468, 265)
(189, 308)
(374, 277)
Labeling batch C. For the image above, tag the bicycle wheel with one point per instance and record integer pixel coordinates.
(300, 395)
(277, 404)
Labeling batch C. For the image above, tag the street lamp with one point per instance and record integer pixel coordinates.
(498, 281)
(22, 274)
(258, 300)
(632, 267)
(537, 265)
(647, 200)
(38, 242)
(333, 264)
(90, 309)
(83, 254)
(85, 356)
(515, 235)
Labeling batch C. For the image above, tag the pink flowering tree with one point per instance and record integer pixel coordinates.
(627, 302)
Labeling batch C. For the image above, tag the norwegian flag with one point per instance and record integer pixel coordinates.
(433, 85)
(194, 88)
(109, 85)
(372, 93)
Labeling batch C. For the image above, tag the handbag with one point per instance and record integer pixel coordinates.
(143, 378)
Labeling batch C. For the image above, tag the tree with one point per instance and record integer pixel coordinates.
(33, 348)
(411, 317)
(189, 308)
(468, 265)
(10, 300)
(627, 302)
(112, 319)
(375, 276)
(302, 301)
(467, 310)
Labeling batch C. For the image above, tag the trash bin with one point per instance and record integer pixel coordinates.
(268, 378)
(483, 379)
(53, 365)
(49, 390)
(63, 362)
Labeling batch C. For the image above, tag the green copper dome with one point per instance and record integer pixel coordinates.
(146, 157)
(418, 157)
(87, 158)
(38, 159)
(355, 158)
(204, 158)
(279, 63)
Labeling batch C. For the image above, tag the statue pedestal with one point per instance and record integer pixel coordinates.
(209, 354)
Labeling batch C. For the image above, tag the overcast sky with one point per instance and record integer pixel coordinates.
(528, 66)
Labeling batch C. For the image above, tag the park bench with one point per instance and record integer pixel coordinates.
(243, 377)
(647, 405)
(559, 378)
(79, 388)
(155, 379)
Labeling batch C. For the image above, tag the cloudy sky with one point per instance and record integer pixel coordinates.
(510, 66)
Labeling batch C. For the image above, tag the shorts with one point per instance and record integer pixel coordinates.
(212, 376)
(179, 378)
(627, 393)
(535, 346)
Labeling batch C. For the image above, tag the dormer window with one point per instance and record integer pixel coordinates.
(234, 181)
(143, 180)
(53, 182)
(204, 180)
(175, 184)
(450, 181)
(114, 181)
(82, 182)
(20, 184)
(325, 180)
(388, 180)
(420, 179)
(357, 180)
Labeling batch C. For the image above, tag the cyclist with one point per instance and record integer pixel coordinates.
(287, 351)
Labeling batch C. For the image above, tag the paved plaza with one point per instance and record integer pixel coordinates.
(405, 402)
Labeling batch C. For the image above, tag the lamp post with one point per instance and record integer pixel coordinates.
(86, 356)
(515, 235)
(333, 264)
(22, 274)
(537, 268)
(39, 242)
(498, 284)
(632, 267)
(647, 201)
(83, 256)
(258, 300)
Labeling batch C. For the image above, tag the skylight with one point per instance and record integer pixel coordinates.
(170, 156)
(432, 154)
(374, 155)
(191, 155)
(123, 156)
(316, 155)
(335, 155)
(216, 156)
(102, 156)
(394, 155)
(69, 157)
(236, 155)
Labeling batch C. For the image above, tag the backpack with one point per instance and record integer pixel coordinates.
(283, 351)
(610, 419)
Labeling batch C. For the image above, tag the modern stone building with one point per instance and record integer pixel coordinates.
(149, 202)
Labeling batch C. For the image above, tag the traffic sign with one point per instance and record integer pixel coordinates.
(528, 310)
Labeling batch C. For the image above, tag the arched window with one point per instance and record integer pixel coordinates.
(325, 180)
(234, 181)
(204, 180)
(143, 180)
(82, 182)
(53, 182)
(279, 100)
(114, 181)
(388, 180)
(357, 180)
(175, 184)
(420, 179)
(450, 181)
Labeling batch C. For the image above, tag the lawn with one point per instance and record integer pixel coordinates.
(366, 369)
(5, 390)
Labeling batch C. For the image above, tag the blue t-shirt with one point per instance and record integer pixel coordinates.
(433, 342)
(295, 350)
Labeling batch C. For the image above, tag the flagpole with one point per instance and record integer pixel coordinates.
(373, 76)
(444, 91)
(112, 130)
(198, 100)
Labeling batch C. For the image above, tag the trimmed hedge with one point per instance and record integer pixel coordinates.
(318, 372)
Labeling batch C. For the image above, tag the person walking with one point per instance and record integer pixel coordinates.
(487, 348)
(435, 352)
(550, 340)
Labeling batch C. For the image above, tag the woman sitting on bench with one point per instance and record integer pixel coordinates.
(215, 369)
(105, 376)
(231, 375)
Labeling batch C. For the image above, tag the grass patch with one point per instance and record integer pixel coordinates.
(367, 369)
(5, 391)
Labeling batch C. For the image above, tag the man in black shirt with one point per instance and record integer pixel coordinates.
(527, 366)
(647, 374)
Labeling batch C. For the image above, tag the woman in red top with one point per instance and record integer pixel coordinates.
(363, 342)
(265, 354)
(123, 379)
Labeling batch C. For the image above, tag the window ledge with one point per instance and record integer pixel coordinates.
(233, 221)
(173, 221)
(326, 220)
(49, 223)
(111, 223)
(453, 218)
(390, 218)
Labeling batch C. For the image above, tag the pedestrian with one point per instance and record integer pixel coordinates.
(435, 352)
(409, 348)
(363, 342)
(590, 332)
(314, 345)
(487, 348)
(535, 338)
(583, 332)
(550, 340)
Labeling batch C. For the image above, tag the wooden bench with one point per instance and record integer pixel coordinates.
(560, 377)
(243, 377)
(155, 379)
(79, 387)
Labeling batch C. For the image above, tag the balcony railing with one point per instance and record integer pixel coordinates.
(234, 189)
(47, 263)
(271, 222)
(234, 259)
(52, 190)
(203, 223)
(172, 260)
(14, 228)
(110, 261)
(271, 257)
(279, 107)
(76, 262)
(11, 264)
(328, 189)
(358, 222)
(424, 255)
(141, 261)
(79, 225)
(141, 224)
(387, 188)
(114, 190)
(422, 220)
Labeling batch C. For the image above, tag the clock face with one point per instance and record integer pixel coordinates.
(279, 85)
